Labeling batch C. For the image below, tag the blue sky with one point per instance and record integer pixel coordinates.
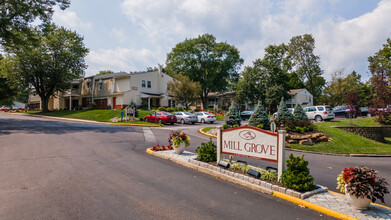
(131, 35)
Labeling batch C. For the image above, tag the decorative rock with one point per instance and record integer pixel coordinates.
(115, 119)
(306, 142)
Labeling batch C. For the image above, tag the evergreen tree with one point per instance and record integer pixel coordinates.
(259, 118)
(233, 116)
(284, 114)
(299, 113)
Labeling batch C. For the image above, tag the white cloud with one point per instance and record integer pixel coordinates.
(70, 19)
(120, 59)
(347, 44)
(119, 34)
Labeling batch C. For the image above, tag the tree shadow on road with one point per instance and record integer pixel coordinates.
(9, 126)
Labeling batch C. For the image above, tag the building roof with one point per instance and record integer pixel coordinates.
(294, 91)
(111, 75)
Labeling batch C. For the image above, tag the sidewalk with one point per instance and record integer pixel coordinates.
(329, 203)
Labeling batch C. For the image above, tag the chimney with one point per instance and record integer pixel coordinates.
(159, 69)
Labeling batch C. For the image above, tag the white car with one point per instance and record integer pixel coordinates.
(319, 113)
(205, 117)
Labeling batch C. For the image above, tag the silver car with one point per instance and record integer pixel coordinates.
(205, 117)
(185, 117)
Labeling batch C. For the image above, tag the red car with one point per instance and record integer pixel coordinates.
(161, 118)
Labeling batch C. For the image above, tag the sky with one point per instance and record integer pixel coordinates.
(131, 35)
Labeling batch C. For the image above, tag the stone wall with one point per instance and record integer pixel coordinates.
(373, 133)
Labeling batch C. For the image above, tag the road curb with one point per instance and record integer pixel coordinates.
(313, 152)
(313, 206)
(136, 125)
(254, 187)
(210, 135)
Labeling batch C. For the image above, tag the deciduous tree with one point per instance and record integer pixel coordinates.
(16, 16)
(51, 64)
(306, 64)
(213, 64)
(184, 91)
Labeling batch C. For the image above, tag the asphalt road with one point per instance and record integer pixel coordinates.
(324, 168)
(65, 170)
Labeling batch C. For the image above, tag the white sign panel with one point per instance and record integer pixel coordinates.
(254, 143)
(250, 142)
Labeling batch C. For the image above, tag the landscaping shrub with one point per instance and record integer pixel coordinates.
(284, 114)
(233, 116)
(207, 152)
(299, 113)
(163, 109)
(269, 176)
(92, 105)
(170, 109)
(297, 176)
(179, 109)
(225, 126)
(259, 118)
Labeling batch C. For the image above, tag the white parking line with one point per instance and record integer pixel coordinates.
(148, 135)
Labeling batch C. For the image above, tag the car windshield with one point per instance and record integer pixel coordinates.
(207, 113)
(188, 113)
(328, 109)
(166, 113)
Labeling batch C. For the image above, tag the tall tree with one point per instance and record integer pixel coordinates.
(9, 86)
(52, 64)
(184, 91)
(214, 65)
(380, 67)
(306, 64)
(16, 15)
(346, 90)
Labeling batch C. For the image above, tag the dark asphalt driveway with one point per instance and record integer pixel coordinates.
(65, 170)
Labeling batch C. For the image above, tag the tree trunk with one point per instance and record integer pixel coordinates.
(45, 103)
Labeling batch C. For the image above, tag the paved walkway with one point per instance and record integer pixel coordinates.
(332, 202)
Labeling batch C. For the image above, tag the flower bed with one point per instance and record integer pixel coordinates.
(161, 148)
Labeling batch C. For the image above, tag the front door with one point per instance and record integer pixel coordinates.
(114, 102)
(75, 104)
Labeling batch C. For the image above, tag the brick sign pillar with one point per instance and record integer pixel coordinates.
(253, 143)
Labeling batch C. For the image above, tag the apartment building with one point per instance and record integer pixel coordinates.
(112, 91)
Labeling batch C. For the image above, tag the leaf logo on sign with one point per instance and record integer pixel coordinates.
(247, 135)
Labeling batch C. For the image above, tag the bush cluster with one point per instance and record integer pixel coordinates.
(297, 176)
(207, 152)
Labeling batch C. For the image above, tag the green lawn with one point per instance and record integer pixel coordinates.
(345, 142)
(206, 129)
(94, 115)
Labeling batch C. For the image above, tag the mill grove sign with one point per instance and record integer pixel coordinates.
(253, 143)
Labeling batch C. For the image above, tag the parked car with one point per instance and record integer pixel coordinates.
(161, 118)
(276, 113)
(185, 117)
(364, 111)
(205, 117)
(246, 115)
(319, 113)
(345, 111)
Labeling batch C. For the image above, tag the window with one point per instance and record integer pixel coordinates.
(89, 100)
(143, 83)
(311, 109)
(88, 85)
(149, 84)
(158, 114)
(99, 86)
(102, 101)
(75, 86)
(320, 108)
